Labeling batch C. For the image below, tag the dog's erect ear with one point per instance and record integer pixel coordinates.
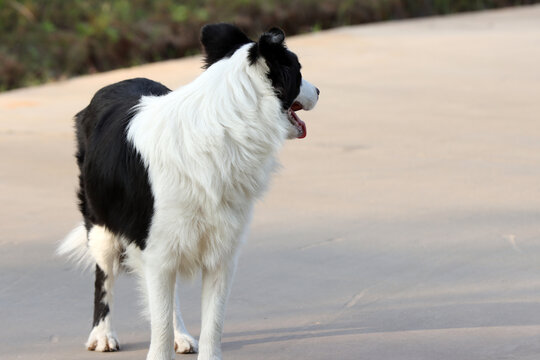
(221, 41)
(270, 45)
(273, 37)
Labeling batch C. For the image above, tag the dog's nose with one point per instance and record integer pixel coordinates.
(318, 91)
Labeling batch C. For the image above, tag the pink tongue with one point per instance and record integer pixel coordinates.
(302, 125)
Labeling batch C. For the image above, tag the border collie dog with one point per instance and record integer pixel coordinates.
(168, 180)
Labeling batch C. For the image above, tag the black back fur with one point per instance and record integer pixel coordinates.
(114, 189)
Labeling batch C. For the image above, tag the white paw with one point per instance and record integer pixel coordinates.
(102, 340)
(185, 344)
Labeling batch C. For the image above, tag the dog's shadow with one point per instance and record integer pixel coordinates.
(237, 340)
(135, 346)
(284, 334)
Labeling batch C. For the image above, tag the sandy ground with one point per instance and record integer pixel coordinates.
(405, 226)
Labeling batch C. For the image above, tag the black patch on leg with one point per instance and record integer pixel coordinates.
(101, 308)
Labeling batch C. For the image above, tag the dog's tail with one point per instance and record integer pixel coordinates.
(75, 248)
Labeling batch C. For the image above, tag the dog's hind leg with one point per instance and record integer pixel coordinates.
(184, 343)
(106, 251)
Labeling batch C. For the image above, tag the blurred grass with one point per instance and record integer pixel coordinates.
(43, 40)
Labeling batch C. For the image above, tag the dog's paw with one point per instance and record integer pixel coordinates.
(185, 344)
(103, 341)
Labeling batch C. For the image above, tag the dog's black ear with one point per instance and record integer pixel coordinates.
(221, 41)
(270, 45)
(273, 37)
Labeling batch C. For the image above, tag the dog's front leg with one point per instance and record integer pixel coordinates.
(160, 289)
(184, 343)
(215, 291)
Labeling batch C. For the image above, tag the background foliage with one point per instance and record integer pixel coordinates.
(42, 40)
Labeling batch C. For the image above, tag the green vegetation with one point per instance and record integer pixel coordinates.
(43, 40)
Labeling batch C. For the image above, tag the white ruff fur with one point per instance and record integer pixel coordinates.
(210, 148)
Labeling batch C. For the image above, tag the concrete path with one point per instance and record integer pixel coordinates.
(405, 226)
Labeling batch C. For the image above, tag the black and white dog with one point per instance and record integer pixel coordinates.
(168, 180)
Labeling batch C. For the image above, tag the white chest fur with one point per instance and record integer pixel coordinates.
(209, 156)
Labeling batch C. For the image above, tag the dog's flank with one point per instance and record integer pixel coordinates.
(168, 180)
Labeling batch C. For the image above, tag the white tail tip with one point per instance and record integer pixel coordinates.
(75, 248)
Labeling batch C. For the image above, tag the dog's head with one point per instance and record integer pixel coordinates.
(221, 41)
